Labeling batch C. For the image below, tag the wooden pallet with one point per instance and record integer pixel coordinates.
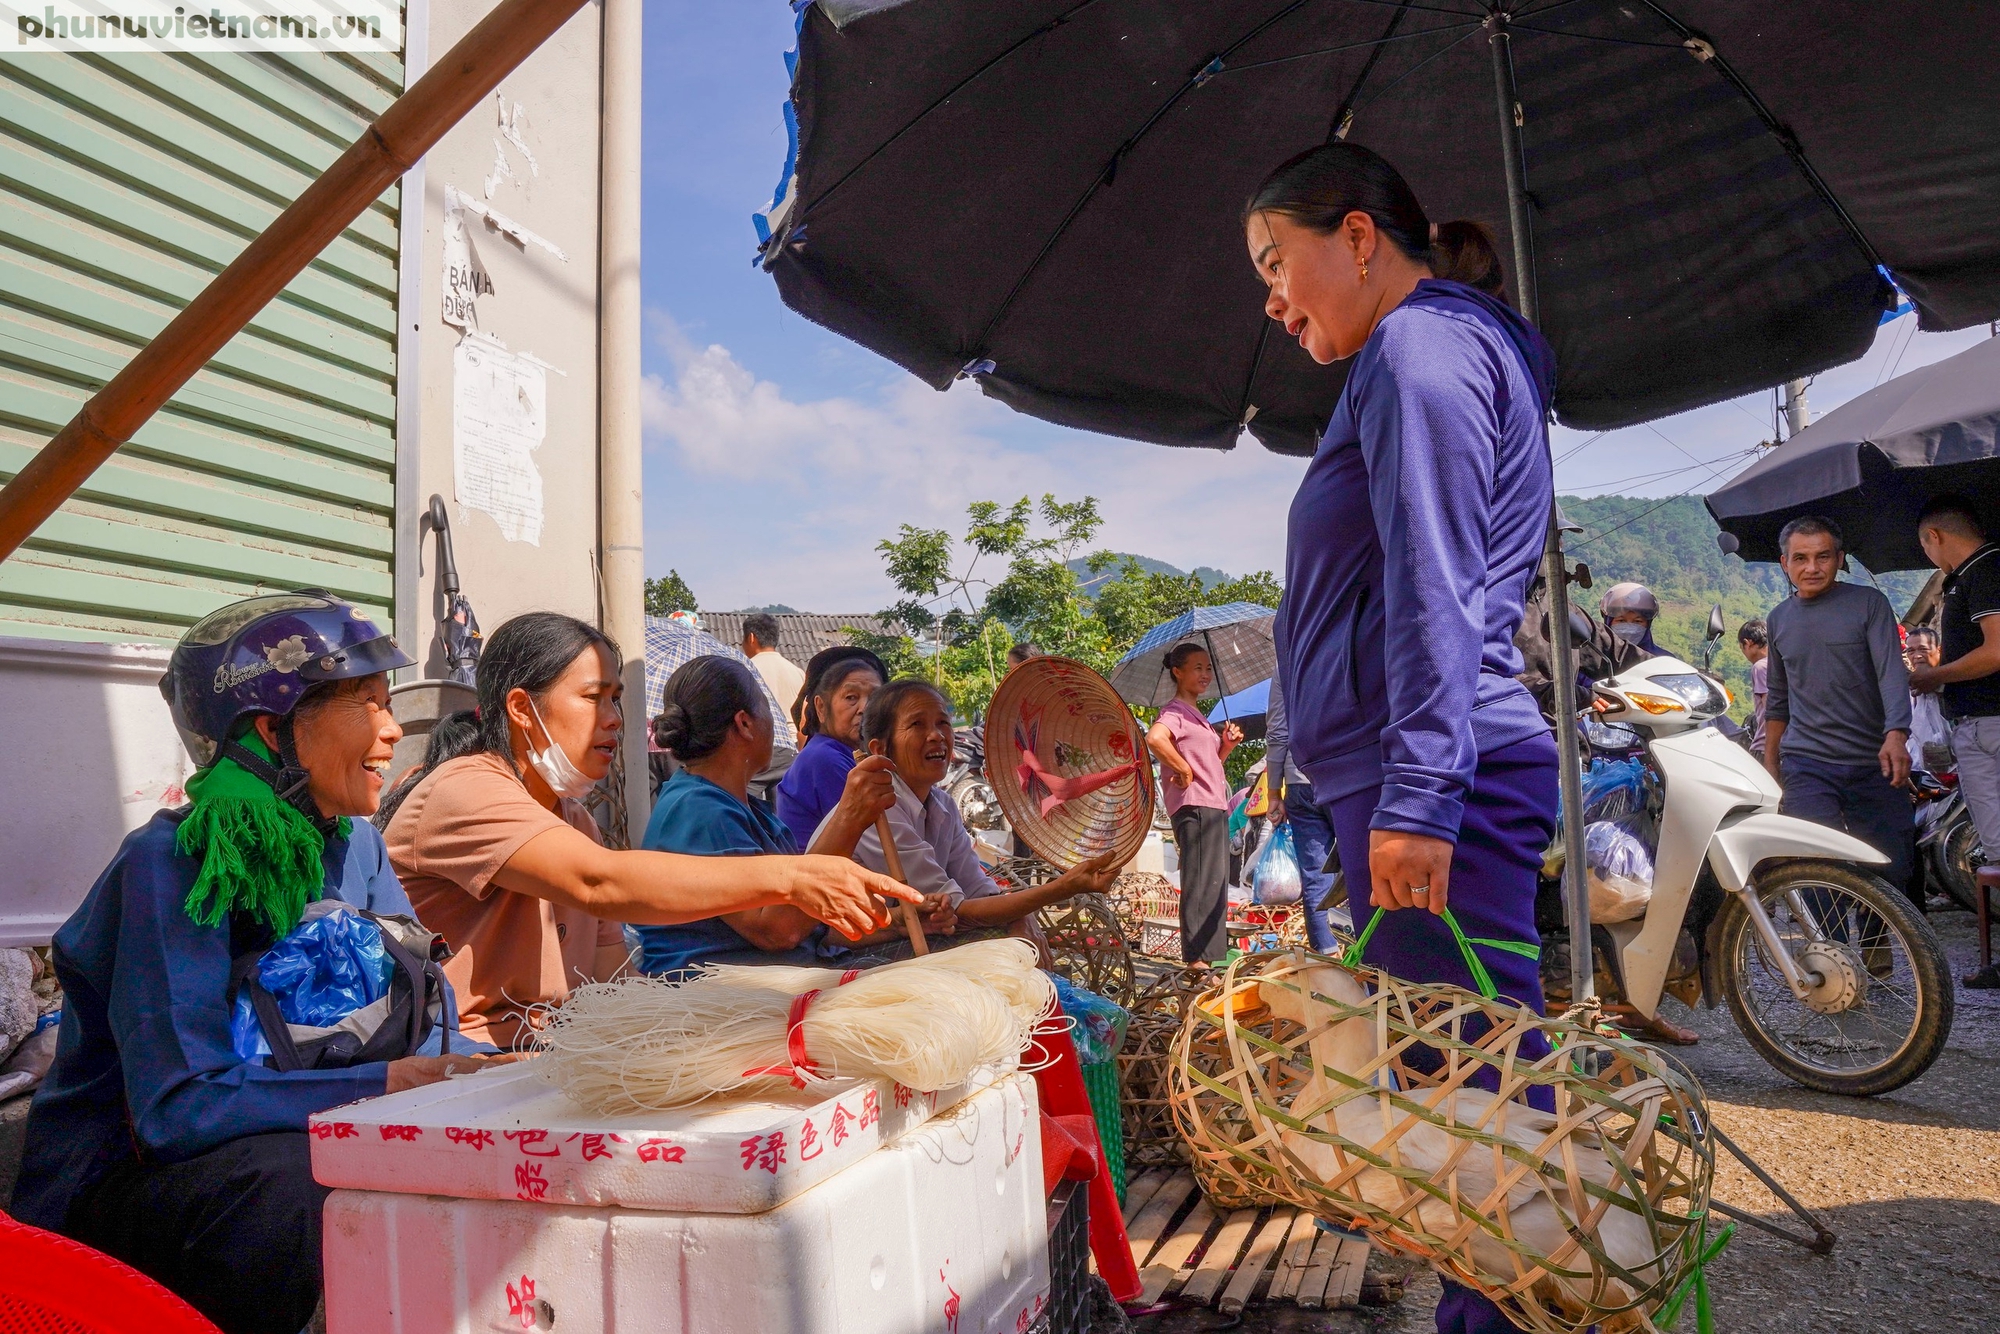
(1230, 1260)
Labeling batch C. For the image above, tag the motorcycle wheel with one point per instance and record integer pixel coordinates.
(1883, 1009)
(1957, 859)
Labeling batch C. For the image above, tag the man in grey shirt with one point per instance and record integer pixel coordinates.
(1837, 719)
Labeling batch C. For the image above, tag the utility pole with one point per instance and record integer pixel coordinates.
(1797, 415)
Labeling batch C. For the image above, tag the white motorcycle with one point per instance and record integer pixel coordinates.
(1833, 975)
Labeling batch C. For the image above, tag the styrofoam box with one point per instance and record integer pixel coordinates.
(506, 1134)
(943, 1229)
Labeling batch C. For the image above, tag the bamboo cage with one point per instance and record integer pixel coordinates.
(1088, 946)
(1572, 1190)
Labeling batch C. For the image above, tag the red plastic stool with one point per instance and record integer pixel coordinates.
(52, 1285)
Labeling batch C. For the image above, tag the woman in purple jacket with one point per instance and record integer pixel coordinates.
(1412, 541)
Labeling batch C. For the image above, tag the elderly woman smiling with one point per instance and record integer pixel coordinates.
(910, 722)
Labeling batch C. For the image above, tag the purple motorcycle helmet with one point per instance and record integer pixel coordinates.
(262, 655)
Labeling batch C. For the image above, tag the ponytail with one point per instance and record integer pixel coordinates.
(1462, 252)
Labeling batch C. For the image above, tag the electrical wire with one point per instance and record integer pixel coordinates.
(1594, 537)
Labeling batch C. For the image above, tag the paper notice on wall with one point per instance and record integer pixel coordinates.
(500, 403)
(465, 279)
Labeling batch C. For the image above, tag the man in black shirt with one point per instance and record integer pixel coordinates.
(1969, 678)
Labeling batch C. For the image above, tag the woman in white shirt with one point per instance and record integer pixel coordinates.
(910, 722)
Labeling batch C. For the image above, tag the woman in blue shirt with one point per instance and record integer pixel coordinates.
(1413, 538)
(838, 683)
(152, 1139)
(715, 720)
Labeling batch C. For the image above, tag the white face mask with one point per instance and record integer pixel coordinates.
(553, 764)
(1629, 631)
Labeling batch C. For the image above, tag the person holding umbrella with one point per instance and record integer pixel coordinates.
(1196, 794)
(1412, 541)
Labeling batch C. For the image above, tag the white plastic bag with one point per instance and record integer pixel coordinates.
(1620, 869)
(1278, 881)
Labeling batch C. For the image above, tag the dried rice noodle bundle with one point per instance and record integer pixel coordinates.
(1007, 965)
(645, 1044)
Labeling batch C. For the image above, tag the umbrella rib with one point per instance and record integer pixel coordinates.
(1443, 50)
(1343, 119)
(848, 175)
(1110, 171)
(1374, 43)
(1786, 139)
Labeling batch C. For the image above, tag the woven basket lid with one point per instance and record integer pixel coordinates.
(1068, 762)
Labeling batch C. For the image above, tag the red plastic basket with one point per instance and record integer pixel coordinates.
(52, 1285)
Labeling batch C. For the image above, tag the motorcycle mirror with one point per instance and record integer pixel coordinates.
(1728, 543)
(1582, 576)
(1715, 625)
(1580, 628)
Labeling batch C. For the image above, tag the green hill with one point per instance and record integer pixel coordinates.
(1669, 546)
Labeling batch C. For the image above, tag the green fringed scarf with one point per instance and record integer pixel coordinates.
(258, 854)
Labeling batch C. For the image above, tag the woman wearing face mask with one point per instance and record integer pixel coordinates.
(1196, 793)
(838, 683)
(501, 859)
(1413, 538)
(153, 1138)
(1629, 611)
(909, 723)
(715, 719)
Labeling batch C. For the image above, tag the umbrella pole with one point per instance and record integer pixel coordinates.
(1555, 571)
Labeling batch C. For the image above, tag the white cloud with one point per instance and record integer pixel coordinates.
(758, 497)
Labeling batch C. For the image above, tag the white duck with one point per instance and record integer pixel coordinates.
(1540, 1210)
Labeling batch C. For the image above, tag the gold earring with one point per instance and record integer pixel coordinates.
(1364, 270)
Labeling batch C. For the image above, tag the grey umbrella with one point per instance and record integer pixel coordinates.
(1872, 463)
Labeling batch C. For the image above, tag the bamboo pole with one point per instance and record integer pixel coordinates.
(894, 861)
(386, 149)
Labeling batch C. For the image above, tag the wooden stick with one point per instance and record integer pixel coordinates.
(463, 78)
(894, 861)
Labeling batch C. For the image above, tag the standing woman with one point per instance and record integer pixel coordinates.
(1412, 541)
(838, 683)
(1191, 753)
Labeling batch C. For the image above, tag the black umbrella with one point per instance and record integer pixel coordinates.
(1700, 196)
(1872, 463)
(458, 628)
(1044, 194)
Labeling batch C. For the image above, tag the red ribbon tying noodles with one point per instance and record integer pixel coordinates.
(795, 1039)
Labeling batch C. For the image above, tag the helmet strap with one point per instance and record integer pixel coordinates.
(288, 779)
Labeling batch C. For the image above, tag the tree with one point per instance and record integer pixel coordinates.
(666, 596)
(956, 621)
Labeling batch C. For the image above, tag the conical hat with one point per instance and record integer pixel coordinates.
(1068, 762)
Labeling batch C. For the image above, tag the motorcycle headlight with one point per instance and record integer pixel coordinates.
(1609, 736)
(1700, 694)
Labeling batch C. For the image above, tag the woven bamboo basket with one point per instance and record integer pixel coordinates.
(1088, 946)
(1594, 1214)
(1151, 1138)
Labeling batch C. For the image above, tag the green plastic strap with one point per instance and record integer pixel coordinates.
(1480, 977)
(1697, 1283)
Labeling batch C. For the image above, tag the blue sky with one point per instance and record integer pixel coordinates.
(779, 454)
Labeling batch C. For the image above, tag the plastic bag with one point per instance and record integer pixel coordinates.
(1278, 880)
(331, 965)
(1097, 1025)
(1620, 869)
(1614, 789)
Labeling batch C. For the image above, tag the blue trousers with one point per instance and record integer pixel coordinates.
(1510, 816)
(1312, 831)
(1858, 800)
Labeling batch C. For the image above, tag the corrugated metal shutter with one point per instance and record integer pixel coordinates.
(126, 182)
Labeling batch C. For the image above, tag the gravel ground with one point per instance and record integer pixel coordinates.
(1909, 1182)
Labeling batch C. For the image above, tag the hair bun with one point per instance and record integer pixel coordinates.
(671, 729)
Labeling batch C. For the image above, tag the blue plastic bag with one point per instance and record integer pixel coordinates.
(1278, 881)
(331, 965)
(1613, 789)
(1097, 1025)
